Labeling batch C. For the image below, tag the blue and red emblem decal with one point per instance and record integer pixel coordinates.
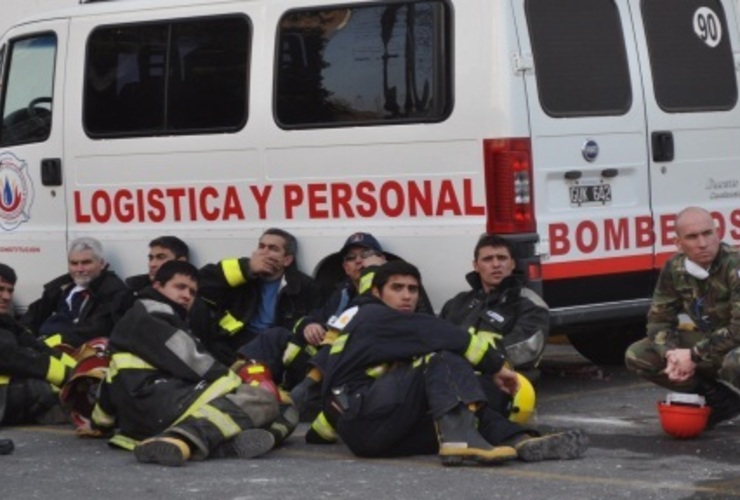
(16, 192)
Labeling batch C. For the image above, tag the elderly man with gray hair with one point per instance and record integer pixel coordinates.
(82, 304)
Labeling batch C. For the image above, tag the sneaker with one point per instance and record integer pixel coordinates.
(163, 450)
(558, 446)
(6, 446)
(725, 404)
(247, 444)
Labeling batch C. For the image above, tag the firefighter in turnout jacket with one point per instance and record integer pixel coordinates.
(168, 396)
(400, 383)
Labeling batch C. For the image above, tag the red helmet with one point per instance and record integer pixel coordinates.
(80, 393)
(258, 375)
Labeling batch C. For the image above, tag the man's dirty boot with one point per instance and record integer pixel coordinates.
(247, 444)
(170, 451)
(557, 446)
(459, 441)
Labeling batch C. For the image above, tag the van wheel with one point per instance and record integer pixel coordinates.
(605, 344)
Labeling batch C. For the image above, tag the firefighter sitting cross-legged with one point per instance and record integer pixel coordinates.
(402, 383)
(164, 388)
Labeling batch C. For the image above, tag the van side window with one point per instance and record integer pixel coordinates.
(374, 64)
(28, 85)
(176, 77)
(579, 56)
(690, 55)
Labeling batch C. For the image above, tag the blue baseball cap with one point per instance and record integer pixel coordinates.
(364, 240)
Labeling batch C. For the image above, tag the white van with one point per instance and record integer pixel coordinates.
(577, 128)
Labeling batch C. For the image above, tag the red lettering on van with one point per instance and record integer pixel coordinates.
(559, 244)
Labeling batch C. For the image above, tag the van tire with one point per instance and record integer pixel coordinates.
(605, 344)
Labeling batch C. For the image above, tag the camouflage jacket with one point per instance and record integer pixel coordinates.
(712, 304)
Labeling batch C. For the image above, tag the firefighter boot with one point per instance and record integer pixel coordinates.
(247, 444)
(285, 423)
(6, 446)
(557, 446)
(164, 450)
(725, 402)
(459, 440)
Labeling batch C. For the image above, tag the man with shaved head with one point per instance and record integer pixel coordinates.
(702, 282)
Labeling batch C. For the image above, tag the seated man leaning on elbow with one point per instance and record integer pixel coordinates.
(702, 281)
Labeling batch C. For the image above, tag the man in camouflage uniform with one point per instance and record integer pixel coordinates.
(702, 281)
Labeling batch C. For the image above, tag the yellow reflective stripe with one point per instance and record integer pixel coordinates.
(323, 428)
(290, 353)
(298, 324)
(377, 371)
(4, 379)
(102, 418)
(221, 420)
(124, 442)
(126, 361)
(338, 345)
(490, 337)
(55, 372)
(233, 272)
(68, 360)
(422, 360)
(476, 349)
(366, 282)
(54, 340)
(223, 385)
(230, 323)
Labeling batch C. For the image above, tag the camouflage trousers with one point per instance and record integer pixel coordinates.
(643, 359)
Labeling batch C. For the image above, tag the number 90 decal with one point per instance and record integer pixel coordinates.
(707, 26)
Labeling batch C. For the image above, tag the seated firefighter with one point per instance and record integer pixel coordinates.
(252, 295)
(500, 307)
(402, 383)
(171, 400)
(31, 373)
(82, 304)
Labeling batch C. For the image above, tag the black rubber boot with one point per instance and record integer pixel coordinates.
(250, 443)
(459, 441)
(557, 446)
(724, 402)
(6, 446)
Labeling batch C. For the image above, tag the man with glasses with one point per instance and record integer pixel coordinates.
(702, 282)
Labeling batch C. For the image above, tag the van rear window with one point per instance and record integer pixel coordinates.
(579, 56)
(369, 64)
(172, 77)
(690, 55)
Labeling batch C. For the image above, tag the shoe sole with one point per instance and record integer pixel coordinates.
(160, 452)
(561, 446)
(252, 443)
(454, 456)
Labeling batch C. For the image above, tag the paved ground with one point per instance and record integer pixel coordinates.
(630, 458)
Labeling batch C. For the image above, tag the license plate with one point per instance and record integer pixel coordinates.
(590, 194)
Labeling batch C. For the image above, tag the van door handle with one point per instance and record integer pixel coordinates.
(51, 172)
(662, 146)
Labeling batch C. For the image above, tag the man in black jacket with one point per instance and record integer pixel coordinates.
(82, 304)
(254, 294)
(164, 388)
(499, 307)
(31, 373)
(400, 383)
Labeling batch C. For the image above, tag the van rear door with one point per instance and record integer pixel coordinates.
(691, 99)
(33, 210)
(590, 166)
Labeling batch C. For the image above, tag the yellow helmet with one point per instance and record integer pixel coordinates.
(522, 408)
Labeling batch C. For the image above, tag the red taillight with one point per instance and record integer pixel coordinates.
(509, 189)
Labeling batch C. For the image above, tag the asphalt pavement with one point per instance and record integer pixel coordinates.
(630, 457)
